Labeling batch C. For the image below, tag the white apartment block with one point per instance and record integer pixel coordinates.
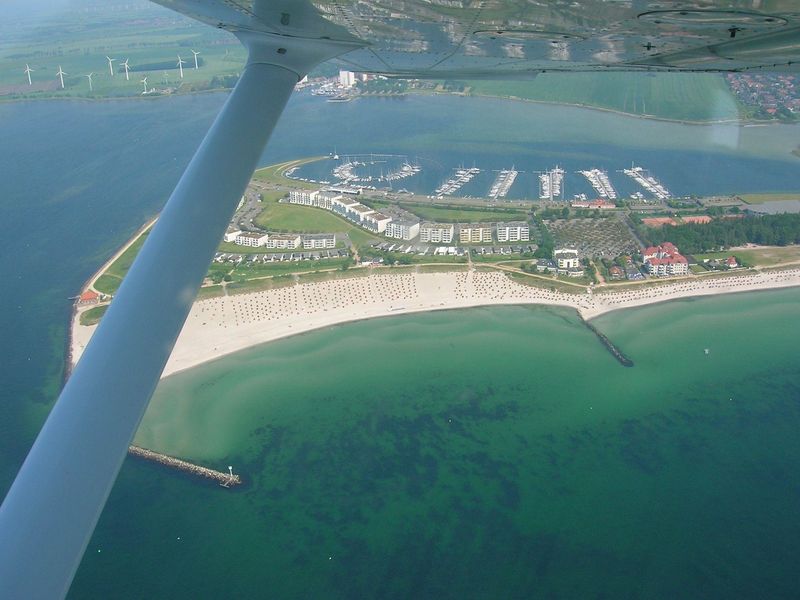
(324, 199)
(232, 233)
(304, 197)
(376, 222)
(567, 258)
(340, 204)
(316, 241)
(436, 233)
(357, 212)
(284, 241)
(251, 239)
(516, 231)
(347, 79)
(475, 233)
(402, 230)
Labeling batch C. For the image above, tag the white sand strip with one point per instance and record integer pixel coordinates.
(220, 326)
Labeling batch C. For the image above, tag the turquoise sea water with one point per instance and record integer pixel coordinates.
(481, 453)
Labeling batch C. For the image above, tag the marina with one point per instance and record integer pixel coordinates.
(551, 184)
(600, 182)
(502, 183)
(648, 182)
(452, 185)
(348, 171)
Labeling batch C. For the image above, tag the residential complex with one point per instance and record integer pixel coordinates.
(517, 231)
(436, 233)
(252, 239)
(402, 229)
(475, 233)
(665, 260)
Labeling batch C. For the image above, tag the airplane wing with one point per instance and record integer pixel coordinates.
(52, 508)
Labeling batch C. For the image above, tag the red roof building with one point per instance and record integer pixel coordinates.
(665, 260)
(89, 297)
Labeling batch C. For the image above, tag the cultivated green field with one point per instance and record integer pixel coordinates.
(149, 36)
(761, 198)
(759, 257)
(679, 96)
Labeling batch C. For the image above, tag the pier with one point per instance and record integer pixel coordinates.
(226, 480)
(615, 352)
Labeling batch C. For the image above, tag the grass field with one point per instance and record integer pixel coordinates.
(275, 174)
(761, 198)
(292, 217)
(694, 97)
(760, 257)
(63, 37)
(93, 315)
(107, 284)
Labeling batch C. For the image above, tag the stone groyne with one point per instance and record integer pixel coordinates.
(226, 480)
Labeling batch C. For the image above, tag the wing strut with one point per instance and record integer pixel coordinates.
(51, 510)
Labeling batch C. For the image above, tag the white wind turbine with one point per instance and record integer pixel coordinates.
(89, 77)
(28, 72)
(144, 81)
(125, 66)
(181, 62)
(60, 74)
(110, 64)
(195, 59)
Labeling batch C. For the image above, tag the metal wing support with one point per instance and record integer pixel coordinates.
(52, 508)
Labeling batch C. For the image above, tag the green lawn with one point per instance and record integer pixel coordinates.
(759, 257)
(679, 96)
(93, 315)
(282, 268)
(107, 284)
(292, 217)
(769, 197)
(274, 174)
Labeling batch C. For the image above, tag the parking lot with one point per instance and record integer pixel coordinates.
(223, 257)
(604, 237)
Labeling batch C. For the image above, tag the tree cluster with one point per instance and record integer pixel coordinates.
(768, 230)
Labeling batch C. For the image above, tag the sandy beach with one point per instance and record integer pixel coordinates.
(219, 326)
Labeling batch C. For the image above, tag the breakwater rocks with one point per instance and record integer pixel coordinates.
(226, 480)
(615, 352)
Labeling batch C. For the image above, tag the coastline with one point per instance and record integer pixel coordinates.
(224, 325)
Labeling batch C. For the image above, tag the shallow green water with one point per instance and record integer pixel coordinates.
(480, 453)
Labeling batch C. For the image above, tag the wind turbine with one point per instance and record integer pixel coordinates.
(89, 77)
(110, 65)
(125, 66)
(195, 59)
(60, 75)
(144, 81)
(181, 62)
(28, 72)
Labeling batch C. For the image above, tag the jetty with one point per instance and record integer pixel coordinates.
(226, 480)
(615, 352)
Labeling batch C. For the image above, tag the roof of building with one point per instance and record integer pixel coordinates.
(256, 235)
(284, 236)
(429, 225)
(514, 224)
(89, 295)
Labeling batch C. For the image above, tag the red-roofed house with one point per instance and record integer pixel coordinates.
(89, 297)
(731, 262)
(665, 260)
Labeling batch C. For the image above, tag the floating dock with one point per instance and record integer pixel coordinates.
(502, 183)
(648, 182)
(226, 480)
(452, 185)
(551, 184)
(600, 182)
